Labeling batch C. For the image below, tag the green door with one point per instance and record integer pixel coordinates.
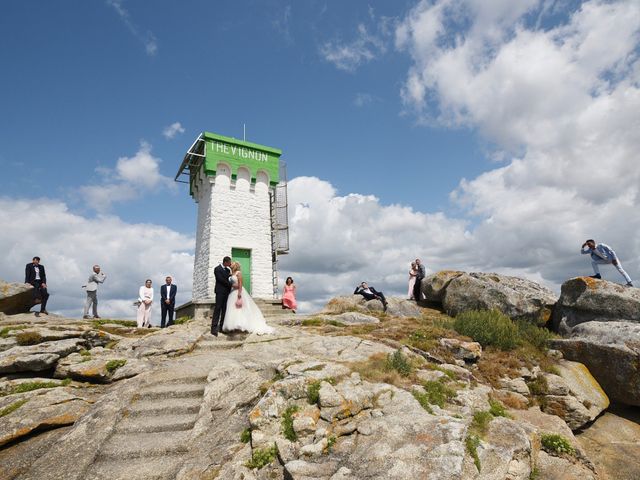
(243, 257)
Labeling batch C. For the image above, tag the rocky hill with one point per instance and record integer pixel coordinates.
(350, 393)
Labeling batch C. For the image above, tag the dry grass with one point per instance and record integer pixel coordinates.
(380, 368)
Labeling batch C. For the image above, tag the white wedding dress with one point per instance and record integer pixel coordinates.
(248, 318)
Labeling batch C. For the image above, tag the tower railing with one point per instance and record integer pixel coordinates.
(279, 223)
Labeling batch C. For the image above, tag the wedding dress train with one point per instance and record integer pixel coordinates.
(248, 318)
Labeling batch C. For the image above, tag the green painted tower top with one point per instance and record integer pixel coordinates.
(239, 153)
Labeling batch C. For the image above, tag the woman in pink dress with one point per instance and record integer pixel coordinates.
(412, 279)
(289, 295)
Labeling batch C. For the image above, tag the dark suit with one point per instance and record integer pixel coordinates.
(39, 292)
(167, 308)
(371, 296)
(417, 287)
(222, 290)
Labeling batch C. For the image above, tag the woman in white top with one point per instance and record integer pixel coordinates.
(242, 312)
(413, 272)
(145, 298)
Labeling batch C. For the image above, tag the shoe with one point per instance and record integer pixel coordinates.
(597, 275)
(384, 308)
(96, 316)
(86, 317)
(45, 312)
(37, 314)
(214, 331)
(629, 284)
(293, 311)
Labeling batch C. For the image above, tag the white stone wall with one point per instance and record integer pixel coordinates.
(233, 215)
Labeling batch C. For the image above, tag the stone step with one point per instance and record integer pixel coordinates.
(175, 390)
(158, 468)
(145, 444)
(219, 343)
(165, 406)
(163, 423)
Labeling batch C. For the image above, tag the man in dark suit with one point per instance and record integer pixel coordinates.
(222, 290)
(370, 293)
(417, 287)
(167, 301)
(35, 275)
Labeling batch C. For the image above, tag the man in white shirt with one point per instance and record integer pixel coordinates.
(602, 254)
(95, 278)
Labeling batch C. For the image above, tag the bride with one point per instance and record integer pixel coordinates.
(242, 312)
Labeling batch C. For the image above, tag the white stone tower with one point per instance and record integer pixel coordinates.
(242, 213)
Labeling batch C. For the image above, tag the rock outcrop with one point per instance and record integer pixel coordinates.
(584, 299)
(515, 297)
(15, 297)
(396, 306)
(600, 321)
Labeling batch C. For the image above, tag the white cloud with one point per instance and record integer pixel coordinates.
(559, 101)
(172, 130)
(370, 42)
(147, 38)
(70, 244)
(132, 177)
(363, 99)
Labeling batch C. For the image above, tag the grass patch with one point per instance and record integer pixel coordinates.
(12, 408)
(535, 474)
(493, 328)
(400, 363)
(85, 353)
(378, 368)
(438, 393)
(556, 444)
(182, 320)
(111, 344)
(261, 457)
(245, 436)
(488, 327)
(331, 441)
(28, 338)
(313, 389)
(113, 365)
(312, 322)
(4, 333)
(29, 386)
(471, 443)
(497, 409)
(423, 400)
(104, 321)
(287, 423)
(538, 386)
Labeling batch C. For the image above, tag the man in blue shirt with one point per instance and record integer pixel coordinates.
(602, 254)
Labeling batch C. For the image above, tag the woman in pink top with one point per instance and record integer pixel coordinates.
(289, 295)
(412, 279)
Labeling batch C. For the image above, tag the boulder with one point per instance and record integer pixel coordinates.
(435, 285)
(38, 410)
(515, 297)
(467, 351)
(35, 358)
(15, 297)
(612, 443)
(584, 299)
(352, 318)
(397, 307)
(611, 352)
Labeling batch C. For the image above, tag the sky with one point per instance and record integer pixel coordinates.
(479, 135)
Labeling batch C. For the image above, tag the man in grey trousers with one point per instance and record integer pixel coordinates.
(92, 291)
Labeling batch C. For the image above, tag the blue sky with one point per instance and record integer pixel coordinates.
(465, 120)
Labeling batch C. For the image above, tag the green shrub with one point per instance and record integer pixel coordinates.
(4, 333)
(537, 336)
(481, 420)
(497, 409)
(287, 423)
(245, 436)
(438, 392)
(113, 365)
(400, 363)
(472, 442)
(538, 386)
(331, 441)
(313, 392)
(556, 444)
(12, 408)
(262, 457)
(182, 320)
(488, 327)
(423, 400)
(312, 322)
(28, 338)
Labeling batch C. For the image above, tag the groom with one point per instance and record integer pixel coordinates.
(222, 290)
